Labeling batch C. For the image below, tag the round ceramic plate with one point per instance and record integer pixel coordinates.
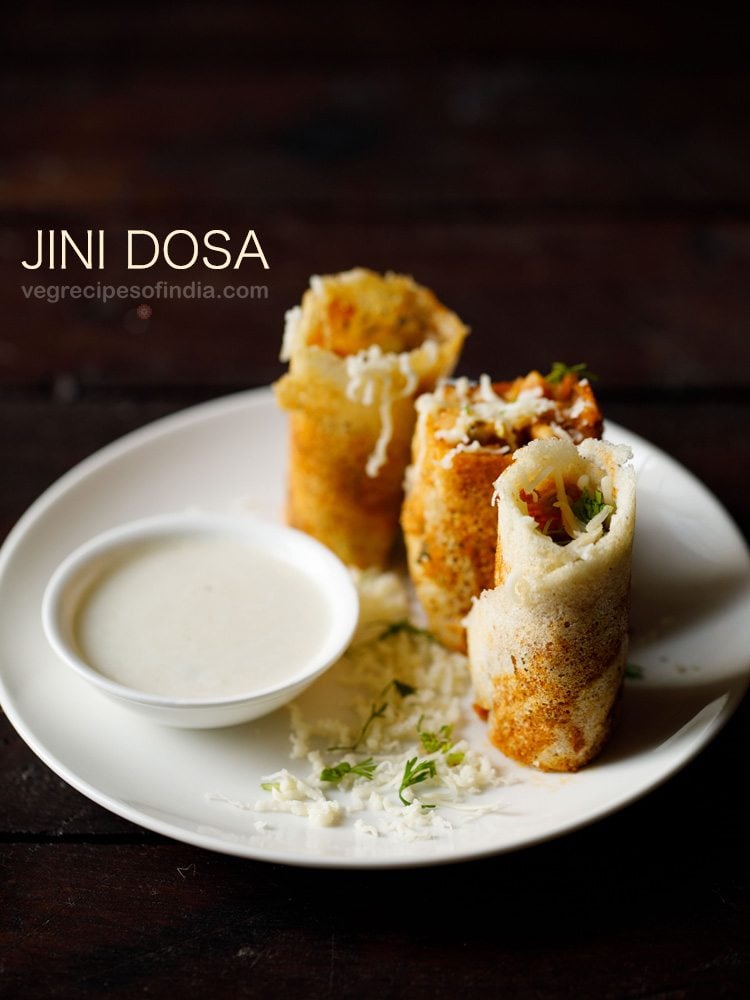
(690, 642)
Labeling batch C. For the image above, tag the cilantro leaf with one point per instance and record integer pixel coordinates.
(403, 688)
(365, 769)
(377, 712)
(560, 370)
(588, 505)
(436, 742)
(404, 626)
(414, 774)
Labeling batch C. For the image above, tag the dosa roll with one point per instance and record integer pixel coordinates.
(361, 348)
(465, 436)
(547, 645)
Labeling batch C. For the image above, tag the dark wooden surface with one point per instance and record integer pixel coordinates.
(574, 180)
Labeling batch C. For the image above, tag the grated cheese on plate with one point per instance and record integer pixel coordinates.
(394, 683)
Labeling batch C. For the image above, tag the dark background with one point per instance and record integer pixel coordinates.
(574, 180)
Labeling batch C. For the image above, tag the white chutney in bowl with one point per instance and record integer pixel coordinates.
(200, 620)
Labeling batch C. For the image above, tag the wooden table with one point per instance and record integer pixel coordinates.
(574, 181)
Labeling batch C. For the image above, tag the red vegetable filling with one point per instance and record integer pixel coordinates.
(542, 505)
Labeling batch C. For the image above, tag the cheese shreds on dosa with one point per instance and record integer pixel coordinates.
(547, 645)
(361, 348)
(465, 436)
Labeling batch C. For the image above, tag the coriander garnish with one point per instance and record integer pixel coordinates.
(560, 370)
(404, 626)
(414, 774)
(588, 505)
(440, 742)
(334, 774)
(436, 742)
(377, 711)
(402, 688)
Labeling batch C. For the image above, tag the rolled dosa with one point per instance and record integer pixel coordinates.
(465, 436)
(361, 348)
(547, 645)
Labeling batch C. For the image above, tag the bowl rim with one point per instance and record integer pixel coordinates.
(340, 593)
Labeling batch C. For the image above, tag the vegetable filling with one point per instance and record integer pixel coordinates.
(564, 510)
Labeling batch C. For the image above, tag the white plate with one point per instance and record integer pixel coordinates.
(691, 623)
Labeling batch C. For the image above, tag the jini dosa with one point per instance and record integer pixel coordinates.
(361, 348)
(547, 645)
(465, 436)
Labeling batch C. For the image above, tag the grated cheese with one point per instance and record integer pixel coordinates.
(582, 534)
(478, 408)
(381, 378)
(573, 525)
(292, 318)
(291, 794)
(447, 460)
(384, 650)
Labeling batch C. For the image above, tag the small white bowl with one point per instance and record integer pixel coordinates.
(76, 578)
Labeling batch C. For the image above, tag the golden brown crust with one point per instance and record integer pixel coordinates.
(349, 312)
(447, 520)
(449, 523)
(556, 710)
(329, 498)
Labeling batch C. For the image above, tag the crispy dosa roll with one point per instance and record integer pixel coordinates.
(465, 436)
(361, 348)
(547, 644)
